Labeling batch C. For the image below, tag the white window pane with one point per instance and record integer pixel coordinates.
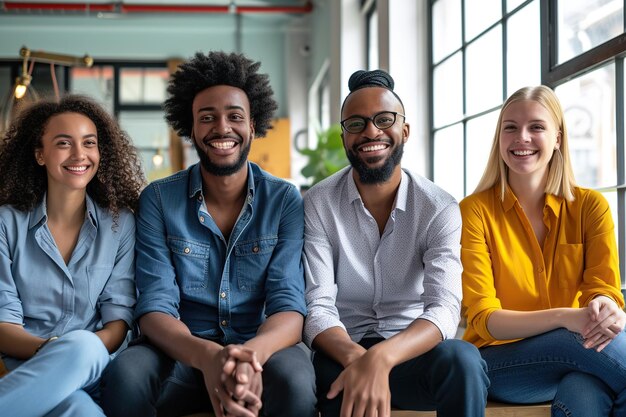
(480, 132)
(448, 91)
(143, 85)
(479, 15)
(523, 49)
(484, 72)
(446, 30)
(584, 24)
(512, 4)
(372, 53)
(589, 106)
(448, 161)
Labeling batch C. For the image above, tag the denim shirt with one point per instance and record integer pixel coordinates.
(222, 290)
(49, 297)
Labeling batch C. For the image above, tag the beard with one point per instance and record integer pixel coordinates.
(378, 175)
(223, 170)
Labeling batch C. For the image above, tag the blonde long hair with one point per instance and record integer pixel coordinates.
(560, 173)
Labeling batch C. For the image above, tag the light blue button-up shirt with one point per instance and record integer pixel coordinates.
(49, 297)
(222, 290)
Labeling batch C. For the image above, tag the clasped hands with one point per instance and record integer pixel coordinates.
(234, 382)
(599, 323)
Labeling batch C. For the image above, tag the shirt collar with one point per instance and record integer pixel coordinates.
(401, 196)
(195, 180)
(40, 212)
(552, 201)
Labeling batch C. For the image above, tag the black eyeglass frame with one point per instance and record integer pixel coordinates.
(371, 119)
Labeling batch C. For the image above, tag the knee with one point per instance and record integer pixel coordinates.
(79, 403)
(129, 369)
(459, 356)
(85, 348)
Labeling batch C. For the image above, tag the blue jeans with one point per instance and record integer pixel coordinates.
(58, 381)
(142, 380)
(555, 366)
(450, 378)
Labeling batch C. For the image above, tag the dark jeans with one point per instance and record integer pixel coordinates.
(451, 378)
(142, 381)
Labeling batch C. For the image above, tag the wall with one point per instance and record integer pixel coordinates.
(153, 37)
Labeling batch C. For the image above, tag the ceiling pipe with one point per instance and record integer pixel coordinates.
(153, 8)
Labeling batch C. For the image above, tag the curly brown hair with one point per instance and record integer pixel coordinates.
(218, 68)
(23, 182)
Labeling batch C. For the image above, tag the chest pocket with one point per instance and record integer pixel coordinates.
(97, 277)
(191, 261)
(252, 259)
(568, 265)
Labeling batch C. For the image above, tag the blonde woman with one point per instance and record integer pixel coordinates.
(541, 285)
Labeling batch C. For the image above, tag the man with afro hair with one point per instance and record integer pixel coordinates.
(219, 275)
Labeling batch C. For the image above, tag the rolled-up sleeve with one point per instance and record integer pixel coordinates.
(155, 274)
(319, 273)
(118, 297)
(479, 292)
(285, 281)
(10, 304)
(442, 272)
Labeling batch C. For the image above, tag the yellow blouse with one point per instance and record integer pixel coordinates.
(504, 267)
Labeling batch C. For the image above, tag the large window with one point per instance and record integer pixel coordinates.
(484, 50)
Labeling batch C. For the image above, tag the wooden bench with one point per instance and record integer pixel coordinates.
(493, 410)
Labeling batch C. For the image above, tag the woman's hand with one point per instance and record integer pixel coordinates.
(607, 320)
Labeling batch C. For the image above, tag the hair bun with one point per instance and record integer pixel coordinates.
(376, 78)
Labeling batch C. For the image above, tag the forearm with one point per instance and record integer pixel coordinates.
(17, 342)
(174, 338)
(336, 343)
(420, 337)
(113, 334)
(509, 324)
(279, 331)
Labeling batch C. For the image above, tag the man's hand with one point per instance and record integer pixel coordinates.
(219, 375)
(365, 386)
(607, 320)
(243, 380)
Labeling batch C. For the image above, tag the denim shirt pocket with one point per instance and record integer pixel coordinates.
(569, 265)
(97, 277)
(191, 261)
(252, 258)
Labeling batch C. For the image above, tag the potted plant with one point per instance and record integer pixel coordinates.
(327, 158)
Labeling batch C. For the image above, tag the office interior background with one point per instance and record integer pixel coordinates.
(454, 62)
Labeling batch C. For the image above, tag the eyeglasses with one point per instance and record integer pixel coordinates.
(383, 120)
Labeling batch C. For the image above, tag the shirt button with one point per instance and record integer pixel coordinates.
(540, 269)
(255, 249)
(199, 198)
(186, 250)
(223, 295)
(224, 322)
(201, 219)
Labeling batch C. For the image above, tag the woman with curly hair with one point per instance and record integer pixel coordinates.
(69, 178)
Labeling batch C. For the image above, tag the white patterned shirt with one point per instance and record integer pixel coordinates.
(370, 284)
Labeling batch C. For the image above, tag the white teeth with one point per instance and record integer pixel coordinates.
(223, 145)
(524, 153)
(77, 169)
(373, 148)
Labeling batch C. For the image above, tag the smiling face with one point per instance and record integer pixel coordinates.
(222, 129)
(528, 139)
(374, 153)
(69, 151)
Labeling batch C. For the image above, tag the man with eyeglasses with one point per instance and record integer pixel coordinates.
(383, 275)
